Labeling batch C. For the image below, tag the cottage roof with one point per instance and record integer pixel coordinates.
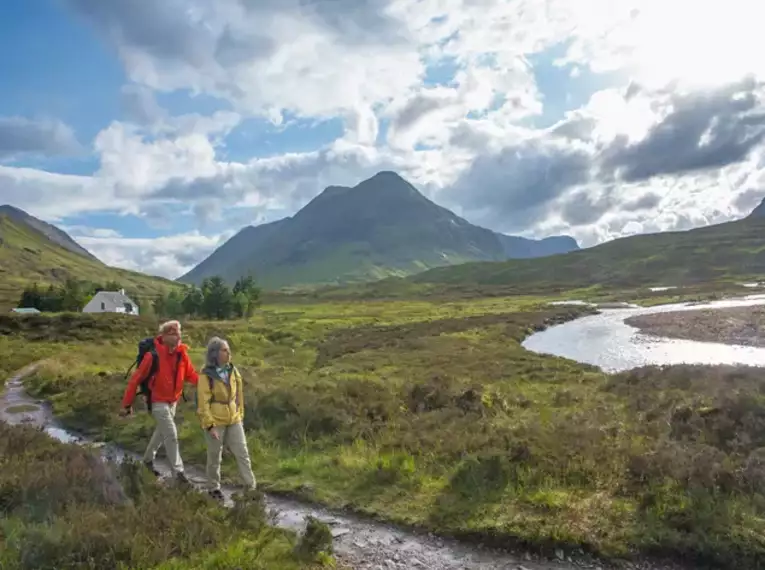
(113, 298)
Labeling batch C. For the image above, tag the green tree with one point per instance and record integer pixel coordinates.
(218, 299)
(159, 305)
(241, 305)
(193, 302)
(51, 300)
(73, 296)
(31, 297)
(245, 285)
(174, 304)
(246, 295)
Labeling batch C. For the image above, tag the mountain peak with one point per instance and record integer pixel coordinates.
(386, 179)
(382, 226)
(389, 176)
(388, 186)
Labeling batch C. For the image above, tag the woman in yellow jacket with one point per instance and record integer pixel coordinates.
(220, 407)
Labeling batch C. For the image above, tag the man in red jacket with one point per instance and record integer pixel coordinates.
(174, 368)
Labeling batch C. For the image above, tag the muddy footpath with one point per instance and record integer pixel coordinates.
(359, 543)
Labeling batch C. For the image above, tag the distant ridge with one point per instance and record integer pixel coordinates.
(50, 231)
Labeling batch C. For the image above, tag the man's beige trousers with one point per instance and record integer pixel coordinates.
(165, 433)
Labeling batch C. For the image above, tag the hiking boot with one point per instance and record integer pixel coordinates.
(150, 466)
(181, 478)
(216, 494)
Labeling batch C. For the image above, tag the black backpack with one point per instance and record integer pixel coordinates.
(147, 345)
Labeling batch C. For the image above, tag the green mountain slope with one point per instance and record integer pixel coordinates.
(50, 231)
(382, 227)
(234, 252)
(733, 249)
(27, 256)
(759, 211)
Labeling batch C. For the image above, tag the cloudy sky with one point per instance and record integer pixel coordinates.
(153, 130)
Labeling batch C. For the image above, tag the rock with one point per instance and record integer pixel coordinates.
(337, 532)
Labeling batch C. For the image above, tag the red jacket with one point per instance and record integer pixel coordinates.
(167, 383)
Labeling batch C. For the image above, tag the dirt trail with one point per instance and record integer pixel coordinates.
(359, 543)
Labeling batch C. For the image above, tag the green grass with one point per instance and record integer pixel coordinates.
(730, 251)
(431, 414)
(404, 290)
(27, 256)
(62, 508)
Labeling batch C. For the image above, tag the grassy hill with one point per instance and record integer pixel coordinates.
(54, 234)
(733, 250)
(28, 256)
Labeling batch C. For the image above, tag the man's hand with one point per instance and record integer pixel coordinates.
(126, 411)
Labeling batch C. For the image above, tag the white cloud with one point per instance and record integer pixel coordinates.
(677, 143)
(169, 256)
(265, 56)
(136, 167)
(50, 195)
(88, 232)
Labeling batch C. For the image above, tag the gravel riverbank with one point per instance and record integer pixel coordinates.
(737, 325)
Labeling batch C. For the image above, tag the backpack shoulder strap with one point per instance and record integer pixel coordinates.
(237, 377)
(211, 385)
(154, 361)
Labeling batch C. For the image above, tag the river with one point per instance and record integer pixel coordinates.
(604, 340)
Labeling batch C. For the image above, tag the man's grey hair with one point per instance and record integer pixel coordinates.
(168, 326)
(213, 348)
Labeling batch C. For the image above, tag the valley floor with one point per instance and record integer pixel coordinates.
(433, 415)
(740, 325)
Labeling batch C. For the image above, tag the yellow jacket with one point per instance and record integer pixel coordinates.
(219, 403)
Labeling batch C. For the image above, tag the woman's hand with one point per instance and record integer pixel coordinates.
(213, 433)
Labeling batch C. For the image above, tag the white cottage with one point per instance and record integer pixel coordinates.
(111, 302)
